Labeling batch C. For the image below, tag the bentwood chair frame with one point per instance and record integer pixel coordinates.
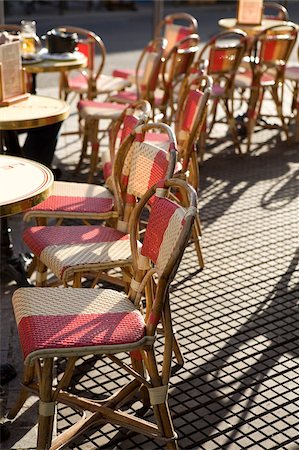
(271, 50)
(291, 81)
(119, 327)
(91, 81)
(220, 59)
(275, 11)
(72, 252)
(146, 77)
(85, 202)
(176, 65)
(175, 27)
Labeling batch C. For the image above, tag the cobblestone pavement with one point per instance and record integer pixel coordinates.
(237, 320)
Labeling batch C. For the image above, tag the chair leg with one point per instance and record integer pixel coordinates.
(278, 103)
(41, 274)
(24, 393)
(252, 113)
(46, 406)
(160, 405)
(83, 150)
(196, 238)
(93, 136)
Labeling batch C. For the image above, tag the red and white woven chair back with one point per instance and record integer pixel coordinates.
(166, 237)
(146, 163)
(275, 44)
(148, 68)
(225, 59)
(174, 32)
(191, 113)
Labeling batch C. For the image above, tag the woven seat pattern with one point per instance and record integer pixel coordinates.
(89, 109)
(105, 84)
(75, 318)
(149, 164)
(78, 246)
(76, 197)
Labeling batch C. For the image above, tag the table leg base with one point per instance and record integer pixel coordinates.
(13, 269)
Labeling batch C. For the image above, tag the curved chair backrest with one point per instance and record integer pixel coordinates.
(177, 63)
(138, 166)
(156, 262)
(275, 11)
(133, 115)
(92, 46)
(273, 47)
(148, 69)
(222, 55)
(190, 118)
(175, 27)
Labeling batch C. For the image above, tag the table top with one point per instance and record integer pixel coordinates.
(55, 63)
(23, 184)
(36, 111)
(231, 22)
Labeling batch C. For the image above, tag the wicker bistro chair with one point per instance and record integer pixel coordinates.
(220, 59)
(82, 201)
(73, 323)
(147, 73)
(71, 252)
(174, 28)
(291, 80)
(189, 127)
(173, 71)
(271, 50)
(89, 82)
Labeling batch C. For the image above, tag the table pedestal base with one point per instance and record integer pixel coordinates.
(12, 267)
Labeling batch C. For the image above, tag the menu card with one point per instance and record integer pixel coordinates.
(12, 86)
(250, 12)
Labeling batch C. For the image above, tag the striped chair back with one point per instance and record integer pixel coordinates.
(148, 69)
(175, 27)
(165, 239)
(191, 114)
(139, 165)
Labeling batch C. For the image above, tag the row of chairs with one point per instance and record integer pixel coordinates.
(79, 322)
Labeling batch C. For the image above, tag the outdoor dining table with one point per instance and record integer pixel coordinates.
(23, 182)
(252, 30)
(54, 63)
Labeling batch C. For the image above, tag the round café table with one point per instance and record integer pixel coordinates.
(54, 63)
(36, 111)
(23, 184)
(231, 22)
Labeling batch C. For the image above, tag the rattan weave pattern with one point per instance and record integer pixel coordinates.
(163, 231)
(80, 256)
(75, 301)
(38, 238)
(144, 168)
(82, 318)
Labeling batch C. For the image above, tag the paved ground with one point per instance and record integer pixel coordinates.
(237, 320)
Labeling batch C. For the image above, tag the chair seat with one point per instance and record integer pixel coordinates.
(75, 319)
(292, 72)
(105, 84)
(244, 79)
(100, 110)
(127, 74)
(131, 97)
(69, 249)
(70, 199)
